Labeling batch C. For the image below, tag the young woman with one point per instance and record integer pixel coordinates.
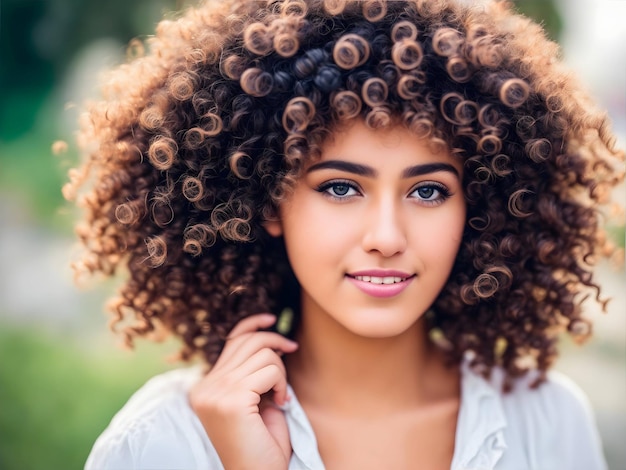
(415, 185)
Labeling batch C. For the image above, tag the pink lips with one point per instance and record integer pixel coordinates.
(381, 290)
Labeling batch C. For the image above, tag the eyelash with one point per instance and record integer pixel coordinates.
(324, 188)
(443, 192)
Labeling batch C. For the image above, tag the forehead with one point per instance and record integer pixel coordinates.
(355, 141)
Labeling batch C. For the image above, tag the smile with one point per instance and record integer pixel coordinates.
(380, 285)
(380, 280)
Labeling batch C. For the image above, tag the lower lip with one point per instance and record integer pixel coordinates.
(381, 290)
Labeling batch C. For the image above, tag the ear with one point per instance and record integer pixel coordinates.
(274, 227)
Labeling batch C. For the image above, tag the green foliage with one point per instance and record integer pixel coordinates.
(57, 396)
(39, 39)
(617, 233)
(545, 12)
(33, 175)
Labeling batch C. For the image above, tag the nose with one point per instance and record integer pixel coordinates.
(385, 230)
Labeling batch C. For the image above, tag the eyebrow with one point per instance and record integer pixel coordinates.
(364, 170)
(427, 168)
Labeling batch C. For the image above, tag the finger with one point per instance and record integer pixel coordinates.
(259, 360)
(241, 348)
(251, 324)
(269, 378)
(222, 384)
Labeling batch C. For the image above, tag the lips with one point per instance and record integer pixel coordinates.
(381, 283)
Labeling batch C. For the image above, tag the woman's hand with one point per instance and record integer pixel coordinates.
(243, 423)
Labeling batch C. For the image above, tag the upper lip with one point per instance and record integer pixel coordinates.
(381, 273)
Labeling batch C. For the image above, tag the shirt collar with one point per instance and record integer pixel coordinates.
(303, 441)
(479, 440)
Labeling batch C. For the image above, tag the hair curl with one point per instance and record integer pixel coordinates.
(195, 144)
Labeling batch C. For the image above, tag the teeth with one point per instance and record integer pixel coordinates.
(379, 280)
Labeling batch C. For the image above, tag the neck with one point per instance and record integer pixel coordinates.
(351, 372)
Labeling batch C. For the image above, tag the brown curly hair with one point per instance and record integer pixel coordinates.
(195, 144)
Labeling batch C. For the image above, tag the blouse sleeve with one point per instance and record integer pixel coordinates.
(553, 427)
(579, 443)
(155, 430)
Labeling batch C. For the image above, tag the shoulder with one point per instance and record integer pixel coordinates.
(553, 423)
(556, 402)
(156, 428)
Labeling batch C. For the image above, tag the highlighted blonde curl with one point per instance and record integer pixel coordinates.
(351, 51)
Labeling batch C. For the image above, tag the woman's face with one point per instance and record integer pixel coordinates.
(372, 229)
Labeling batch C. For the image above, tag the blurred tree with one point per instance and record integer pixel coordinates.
(39, 38)
(38, 41)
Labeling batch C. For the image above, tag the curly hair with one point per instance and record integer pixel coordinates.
(196, 143)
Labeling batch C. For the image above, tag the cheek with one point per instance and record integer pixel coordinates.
(318, 243)
(312, 222)
(440, 239)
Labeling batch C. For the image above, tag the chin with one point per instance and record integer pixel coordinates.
(380, 327)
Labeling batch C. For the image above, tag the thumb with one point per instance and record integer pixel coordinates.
(276, 423)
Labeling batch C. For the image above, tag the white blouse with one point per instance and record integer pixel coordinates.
(549, 428)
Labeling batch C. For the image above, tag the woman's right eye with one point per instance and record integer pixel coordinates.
(338, 189)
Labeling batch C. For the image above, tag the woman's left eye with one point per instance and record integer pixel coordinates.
(431, 192)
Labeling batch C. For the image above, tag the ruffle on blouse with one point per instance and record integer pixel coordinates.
(481, 423)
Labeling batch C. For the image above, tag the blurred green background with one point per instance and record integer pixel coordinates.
(62, 376)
